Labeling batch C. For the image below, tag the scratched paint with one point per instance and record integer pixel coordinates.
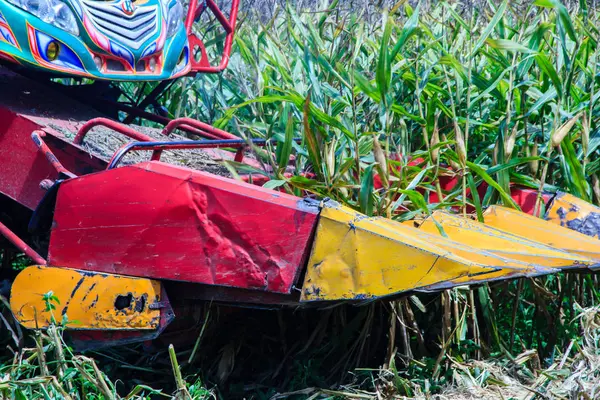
(356, 257)
(576, 214)
(167, 222)
(89, 300)
(504, 243)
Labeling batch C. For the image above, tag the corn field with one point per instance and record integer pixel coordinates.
(491, 92)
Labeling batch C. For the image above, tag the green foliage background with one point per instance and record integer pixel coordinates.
(485, 89)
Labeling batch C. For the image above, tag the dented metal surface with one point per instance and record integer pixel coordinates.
(167, 222)
(527, 258)
(88, 301)
(356, 257)
(574, 213)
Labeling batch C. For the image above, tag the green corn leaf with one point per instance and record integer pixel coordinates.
(311, 139)
(563, 15)
(488, 29)
(329, 68)
(546, 66)
(410, 28)
(513, 162)
(509, 45)
(475, 195)
(366, 191)
(454, 63)
(274, 183)
(323, 18)
(574, 171)
(508, 201)
(413, 184)
(383, 73)
(416, 198)
(285, 148)
(304, 182)
(542, 100)
(456, 16)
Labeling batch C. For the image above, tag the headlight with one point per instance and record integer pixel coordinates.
(174, 18)
(64, 18)
(54, 12)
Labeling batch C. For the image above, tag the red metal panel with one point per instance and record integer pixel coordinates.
(23, 167)
(166, 222)
(526, 199)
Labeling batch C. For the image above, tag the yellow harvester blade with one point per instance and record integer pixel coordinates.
(503, 243)
(545, 232)
(576, 214)
(89, 300)
(356, 257)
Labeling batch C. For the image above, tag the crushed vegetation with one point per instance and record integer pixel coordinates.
(46, 367)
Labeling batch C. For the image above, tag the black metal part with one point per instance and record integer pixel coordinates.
(40, 223)
(148, 100)
(101, 95)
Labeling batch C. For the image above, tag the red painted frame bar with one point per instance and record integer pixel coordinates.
(115, 126)
(21, 245)
(43, 147)
(194, 10)
(205, 129)
(158, 147)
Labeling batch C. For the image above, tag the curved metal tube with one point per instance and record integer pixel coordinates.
(115, 126)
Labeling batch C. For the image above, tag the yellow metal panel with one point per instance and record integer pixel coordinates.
(90, 300)
(545, 232)
(503, 243)
(449, 246)
(356, 257)
(576, 214)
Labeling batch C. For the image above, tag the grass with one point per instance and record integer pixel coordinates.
(500, 93)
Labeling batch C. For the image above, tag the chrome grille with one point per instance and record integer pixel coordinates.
(131, 30)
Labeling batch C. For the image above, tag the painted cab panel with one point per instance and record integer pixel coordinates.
(116, 40)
